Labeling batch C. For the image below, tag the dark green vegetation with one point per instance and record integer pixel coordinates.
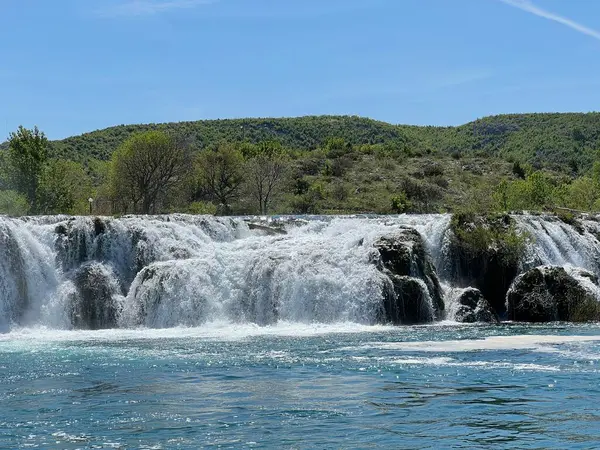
(320, 164)
(486, 253)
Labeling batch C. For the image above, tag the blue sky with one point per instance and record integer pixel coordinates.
(71, 66)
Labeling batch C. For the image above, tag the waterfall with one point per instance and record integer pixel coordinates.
(182, 270)
(555, 242)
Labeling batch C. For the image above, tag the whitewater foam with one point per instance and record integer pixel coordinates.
(215, 331)
(515, 342)
(183, 270)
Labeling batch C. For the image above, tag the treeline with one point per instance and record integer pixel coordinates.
(161, 171)
(151, 172)
(305, 133)
(566, 143)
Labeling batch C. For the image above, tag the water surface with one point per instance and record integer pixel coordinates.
(301, 386)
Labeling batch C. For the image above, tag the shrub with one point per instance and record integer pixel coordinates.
(202, 208)
(400, 203)
(479, 235)
(13, 204)
(518, 170)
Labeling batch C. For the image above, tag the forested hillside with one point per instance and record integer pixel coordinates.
(305, 133)
(565, 142)
(324, 164)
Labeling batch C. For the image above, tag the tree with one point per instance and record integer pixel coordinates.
(400, 203)
(64, 187)
(220, 174)
(264, 170)
(336, 147)
(27, 156)
(502, 195)
(540, 189)
(146, 168)
(582, 194)
(13, 203)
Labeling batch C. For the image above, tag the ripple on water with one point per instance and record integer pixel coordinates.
(325, 387)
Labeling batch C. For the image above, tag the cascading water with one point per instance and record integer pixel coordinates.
(186, 270)
(558, 243)
(181, 270)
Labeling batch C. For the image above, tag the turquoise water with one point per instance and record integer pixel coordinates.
(296, 386)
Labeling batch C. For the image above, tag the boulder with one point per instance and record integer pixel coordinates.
(550, 293)
(170, 293)
(403, 258)
(473, 307)
(407, 302)
(94, 307)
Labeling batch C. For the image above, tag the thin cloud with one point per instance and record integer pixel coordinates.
(150, 7)
(529, 7)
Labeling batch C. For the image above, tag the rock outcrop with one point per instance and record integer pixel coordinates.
(485, 253)
(414, 294)
(95, 306)
(473, 307)
(550, 293)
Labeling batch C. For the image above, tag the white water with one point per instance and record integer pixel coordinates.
(557, 243)
(182, 270)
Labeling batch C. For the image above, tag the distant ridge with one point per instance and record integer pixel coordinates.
(553, 140)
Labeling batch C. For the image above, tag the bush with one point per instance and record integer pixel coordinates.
(13, 204)
(479, 235)
(518, 170)
(339, 191)
(202, 208)
(400, 203)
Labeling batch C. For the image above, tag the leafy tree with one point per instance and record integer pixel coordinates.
(309, 202)
(146, 167)
(64, 187)
(540, 190)
(582, 194)
(202, 208)
(26, 158)
(336, 147)
(502, 196)
(400, 203)
(220, 174)
(13, 203)
(264, 171)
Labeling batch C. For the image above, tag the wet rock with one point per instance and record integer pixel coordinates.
(407, 302)
(267, 230)
(484, 252)
(550, 293)
(61, 229)
(99, 226)
(473, 307)
(168, 294)
(94, 307)
(403, 258)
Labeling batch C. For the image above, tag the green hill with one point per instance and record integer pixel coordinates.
(374, 166)
(297, 133)
(559, 141)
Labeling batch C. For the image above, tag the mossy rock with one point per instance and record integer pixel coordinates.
(484, 252)
(549, 293)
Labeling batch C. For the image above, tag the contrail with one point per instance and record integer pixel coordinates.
(150, 7)
(529, 7)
